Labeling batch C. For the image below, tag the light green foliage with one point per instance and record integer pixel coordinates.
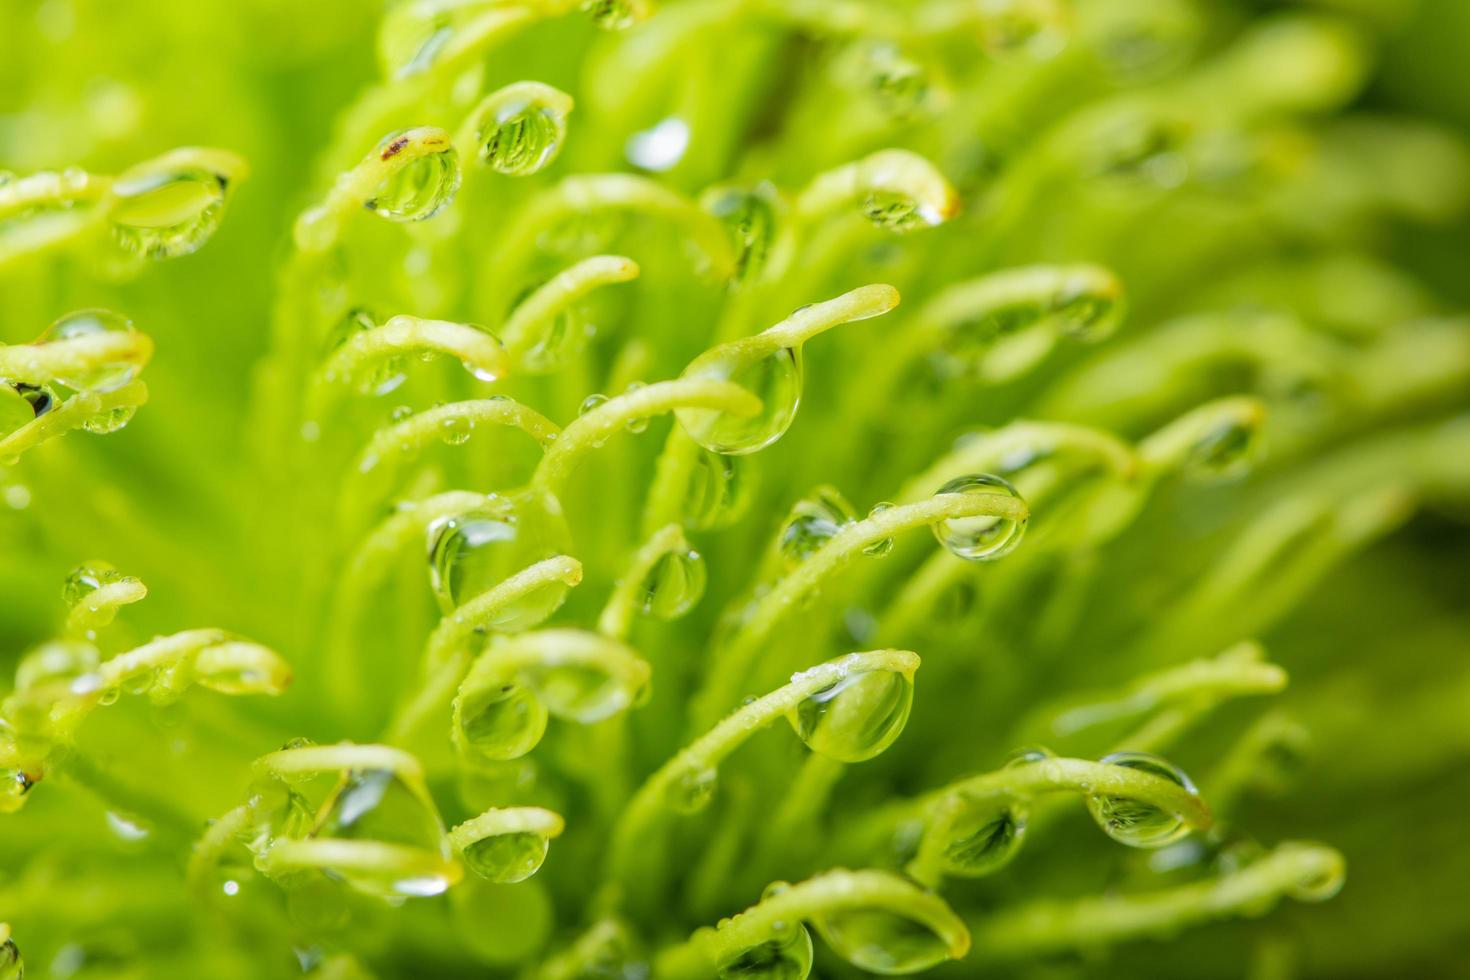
(1089, 604)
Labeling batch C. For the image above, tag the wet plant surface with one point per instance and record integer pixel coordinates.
(733, 488)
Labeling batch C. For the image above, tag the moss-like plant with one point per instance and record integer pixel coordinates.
(506, 404)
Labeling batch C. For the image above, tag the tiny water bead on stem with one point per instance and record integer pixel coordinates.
(94, 592)
(769, 366)
(80, 374)
(503, 704)
(545, 328)
(358, 362)
(1216, 441)
(517, 130)
(359, 813)
(1303, 871)
(58, 686)
(411, 175)
(759, 225)
(506, 845)
(370, 564)
(474, 551)
(418, 36)
(460, 636)
(601, 420)
(98, 413)
(89, 350)
(973, 827)
(394, 448)
(897, 190)
(504, 607)
(665, 578)
(734, 659)
(812, 523)
(878, 922)
(851, 708)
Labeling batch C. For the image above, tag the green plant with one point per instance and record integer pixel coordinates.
(1168, 385)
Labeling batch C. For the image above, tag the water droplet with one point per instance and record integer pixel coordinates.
(499, 723)
(674, 584)
(1086, 309)
(507, 858)
(522, 138)
(582, 692)
(881, 941)
(787, 957)
(400, 413)
(1140, 147)
(660, 147)
(110, 421)
(383, 375)
(897, 212)
(477, 550)
(58, 662)
(639, 424)
(418, 189)
(140, 682)
(39, 398)
(814, 521)
(969, 343)
(1319, 884)
(563, 339)
(86, 323)
(14, 785)
(775, 378)
(15, 409)
(980, 538)
(126, 828)
(455, 430)
(985, 841)
(898, 84)
(612, 15)
(857, 717)
(166, 212)
(879, 549)
(413, 35)
(1028, 755)
(591, 402)
(1134, 822)
(1227, 449)
(12, 966)
(718, 491)
(240, 668)
(691, 791)
(380, 805)
(749, 217)
(87, 578)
